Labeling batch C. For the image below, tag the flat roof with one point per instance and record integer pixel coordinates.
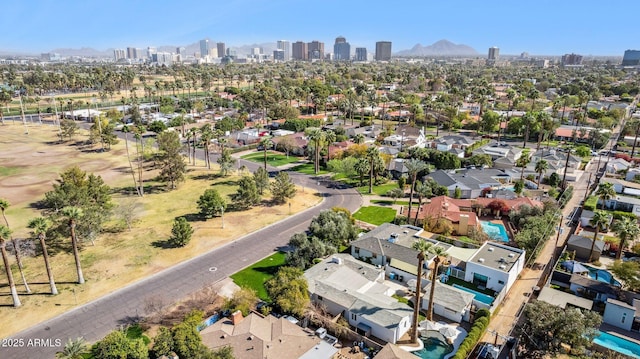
(561, 299)
(496, 256)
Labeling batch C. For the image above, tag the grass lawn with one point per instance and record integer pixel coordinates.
(375, 215)
(257, 274)
(273, 158)
(380, 190)
(307, 169)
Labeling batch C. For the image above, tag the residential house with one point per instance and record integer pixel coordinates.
(591, 288)
(449, 302)
(582, 247)
(504, 156)
(495, 266)
(586, 216)
(616, 165)
(356, 290)
(471, 182)
(369, 132)
(257, 337)
(397, 168)
(556, 162)
(298, 142)
(633, 174)
(619, 314)
(455, 144)
(461, 221)
(563, 299)
(625, 204)
(392, 351)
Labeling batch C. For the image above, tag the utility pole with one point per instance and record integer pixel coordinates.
(586, 192)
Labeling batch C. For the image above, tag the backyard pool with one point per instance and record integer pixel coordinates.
(602, 275)
(495, 231)
(480, 297)
(618, 344)
(435, 346)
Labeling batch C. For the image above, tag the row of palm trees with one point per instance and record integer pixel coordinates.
(39, 227)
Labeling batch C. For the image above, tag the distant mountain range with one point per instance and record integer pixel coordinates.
(440, 48)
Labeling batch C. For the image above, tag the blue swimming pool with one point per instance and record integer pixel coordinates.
(495, 231)
(618, 344)
(481, 297)
(435, 346)
(602, 275)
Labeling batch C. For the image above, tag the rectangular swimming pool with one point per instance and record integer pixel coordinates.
(481, 297)
(618, 344)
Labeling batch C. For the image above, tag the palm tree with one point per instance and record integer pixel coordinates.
(599, 220)
(316, 136)
(372, 155)
(330, 138)
(73, 349)
(414, 166)
(266, 144)
(4, 204)
(126, 131)
(205, 137)
(627, 230)
(529, 120)
(605, 192)
(523, 162)
(73, 214)
(423, 190)
(439, 253)
(422, 247)
(40, 226)
(361, 167)
(358, 139)
(541, 167)
(5, 233)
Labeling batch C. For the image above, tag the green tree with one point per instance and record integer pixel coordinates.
(289, 290)
(226, 162)
(211, 203)
(157, 126)
(282, 188)
(373, 155)
(172, 165)
(68, 129)
(605, 192)
(423, 190)
(73, 349)
(395, 194)
(186, 338)
(180, 232)
(116, 345)
(628, 231)
(266, 143)
(223, 353)
(599, 220)
(243, 300)
(523, 162)
(261, 177)
(5, 233)
(72, 216)
(628, 272)
(541, 167)
(547, 326)
(40, 225)
(4, 205)
(583, 151)
(247, 194)
(518, 186)
(414, 167)
(489, 122)
(162, 343)
(361, 167)
(333, 227)
(316, 136)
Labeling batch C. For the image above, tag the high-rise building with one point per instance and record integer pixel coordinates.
(383, 51)
(204, 48)
(571, 60)
(180, 50)
(299, 51)
(131, 53)
(316, 50)
(494, 53)
(221, 49)
(162, 58)
(119, 54)
(278, 55)
(341, 49)
(285, 46)
(631, 58)
(361, 54)
(151, 50)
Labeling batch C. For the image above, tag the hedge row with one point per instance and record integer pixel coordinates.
(480, 324)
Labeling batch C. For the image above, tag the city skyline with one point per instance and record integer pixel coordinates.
(549, 28)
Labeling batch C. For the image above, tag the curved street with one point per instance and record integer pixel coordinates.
(95, 319)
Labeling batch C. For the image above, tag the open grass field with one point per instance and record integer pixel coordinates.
(375, 215)
(31, 164)
(275, 159)
(257, 274)
(307, 169)
(380, 190)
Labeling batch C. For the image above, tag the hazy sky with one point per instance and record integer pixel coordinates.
(544, 27)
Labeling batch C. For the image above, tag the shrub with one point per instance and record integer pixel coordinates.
(480, 324)
(591, 203)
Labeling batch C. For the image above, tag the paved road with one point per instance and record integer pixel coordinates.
(95, 319)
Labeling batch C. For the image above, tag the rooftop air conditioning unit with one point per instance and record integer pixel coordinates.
(490, 249)
(502, 266)
(481, 260)
(511, 255)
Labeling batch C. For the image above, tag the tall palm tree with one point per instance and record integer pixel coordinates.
(541, 167)
(266, 144)
(423, 190)
(126, 131)
(523, 162)
(5, 233)
(627, 230)
(4, 204)
(206, 135)
(361, 167)
(605, 192)
(422, 247)
(372, 155)
(316, 135)
(414, 166)
(529, 121)
(40, 226)
(599, 220)
(439, 253)
(330, 138)
(358, 139)
(73, 214)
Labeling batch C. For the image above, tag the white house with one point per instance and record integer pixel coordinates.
(495, 266)
(344, 285)
(449, 302)
(619, 314)
(616, 165)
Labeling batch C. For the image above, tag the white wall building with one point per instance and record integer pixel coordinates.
(495, 266)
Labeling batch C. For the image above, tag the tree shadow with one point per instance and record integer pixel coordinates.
(130, 320)
(207, 176)
(148, 189)
(194, 217)
(163, 244)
